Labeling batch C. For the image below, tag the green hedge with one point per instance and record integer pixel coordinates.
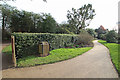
(27, 43)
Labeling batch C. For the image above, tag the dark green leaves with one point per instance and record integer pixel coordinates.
(27, 43)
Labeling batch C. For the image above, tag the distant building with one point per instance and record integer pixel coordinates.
(101, 30)
(101, 27)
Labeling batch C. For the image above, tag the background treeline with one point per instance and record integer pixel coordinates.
(14, 20)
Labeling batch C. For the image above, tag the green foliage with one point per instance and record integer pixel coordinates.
(7, 50)
(77, 46)
(55, 56)
(5, 19)
(63, 29)
(48, 24)
(31, 22)
(102, 36)
(91, 32)
(27, 43)
(101, 32)
(84, 38)
(80, 18)
(112, 36)
(5, 35)
(23, 21)
(114, 53)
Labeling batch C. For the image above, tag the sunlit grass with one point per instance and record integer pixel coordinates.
(55, 56)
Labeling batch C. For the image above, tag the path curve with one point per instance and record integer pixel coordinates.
(95, 63)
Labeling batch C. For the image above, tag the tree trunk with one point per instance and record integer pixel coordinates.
(3, 23)
(3, 27)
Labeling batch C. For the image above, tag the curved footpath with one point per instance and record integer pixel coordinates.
(95, 63)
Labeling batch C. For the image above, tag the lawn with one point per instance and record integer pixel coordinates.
(55, 56)
(113, 48)
(7, 50)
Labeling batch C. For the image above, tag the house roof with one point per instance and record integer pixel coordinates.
(101, 27)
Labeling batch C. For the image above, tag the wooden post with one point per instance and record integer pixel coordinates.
(13, 50)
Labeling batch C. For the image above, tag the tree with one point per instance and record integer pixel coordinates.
(112, 37)
(37, 20)
(91, 32)
(6, 18)
(23, 21)
(48, 24)
(84, 38)
(80, 18)
(101, 31)
(63, 29)
(6, 14)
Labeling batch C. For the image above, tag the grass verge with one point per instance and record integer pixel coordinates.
(7, 49)
(114, 50)
(55, 56)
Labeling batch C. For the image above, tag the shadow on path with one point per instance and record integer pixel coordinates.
(6, 61)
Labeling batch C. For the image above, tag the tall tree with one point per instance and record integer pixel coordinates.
(37, 22)
(91, 32)
(80, 18)
(48, 24)
(6, 18)
(23, 21)
(6, 14)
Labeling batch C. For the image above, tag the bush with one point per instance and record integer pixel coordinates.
(6, 36)
(84, 38)
(112, 37)
(61, 30)
(27, 43)
(91, 32)
(102, 36)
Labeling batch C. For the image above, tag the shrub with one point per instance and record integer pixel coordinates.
(27, 43)
(5, 36)
(91, 32)
(84, 38)
(102, 36)
(112, 37)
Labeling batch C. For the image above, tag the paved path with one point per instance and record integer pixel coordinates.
(6, 59)
(3, 58)
(95, 63)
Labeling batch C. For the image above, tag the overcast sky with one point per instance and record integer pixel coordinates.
(106, 10)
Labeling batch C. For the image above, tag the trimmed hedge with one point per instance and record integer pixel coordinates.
(27, 43)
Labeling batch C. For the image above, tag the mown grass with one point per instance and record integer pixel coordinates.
(114, 53)
(7, 49)
(55, 56)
